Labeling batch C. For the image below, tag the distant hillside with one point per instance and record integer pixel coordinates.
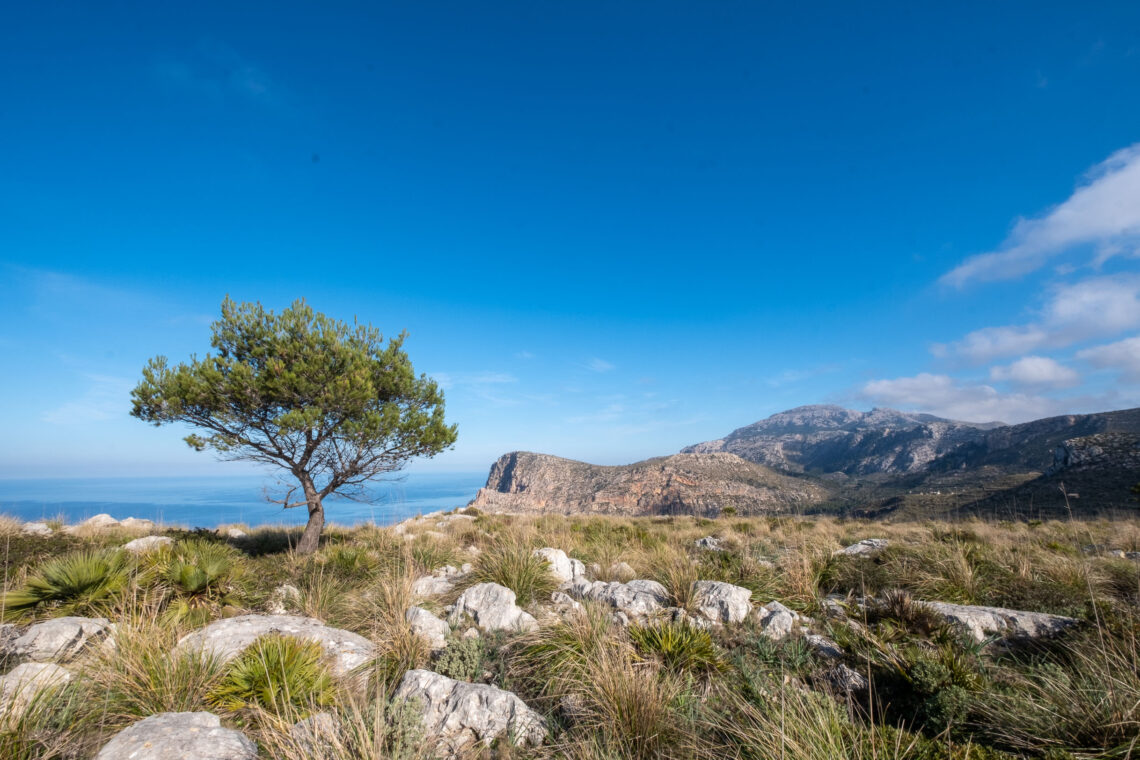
(697, 484)
(829, 439)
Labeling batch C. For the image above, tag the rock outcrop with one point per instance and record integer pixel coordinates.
(227, 638)
(979, 622)
(721, 602)
(174, 736)
(700, 484)
(428, 627)
(58, 639)
(457, 714)
(24, 684)
(638, 600)
(147, 544)
(563, 568)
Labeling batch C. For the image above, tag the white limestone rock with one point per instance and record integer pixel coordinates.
(721, 602)
(428, 627)
(101, 521)
(227, 638)
(59, 639)
(980, 621)
(638, 599)
(824, 647)
(564, 569)
(283, 599)
(845, 680)
(36, 529)
(776, 620)
(491, 607)
(24, 684)
(710, 543)
(178, 736)
(440, 581)
(136, 523)
(317, 735)
(457, 715)
(147, 544)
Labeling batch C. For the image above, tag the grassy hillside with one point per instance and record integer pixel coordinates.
(609, 691)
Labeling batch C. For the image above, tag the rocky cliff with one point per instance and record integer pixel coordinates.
(700, 484)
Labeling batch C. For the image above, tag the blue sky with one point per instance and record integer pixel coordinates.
(611, 229)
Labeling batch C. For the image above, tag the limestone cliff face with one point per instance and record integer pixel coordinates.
(700, 484)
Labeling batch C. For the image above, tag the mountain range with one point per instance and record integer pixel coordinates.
(827, 458)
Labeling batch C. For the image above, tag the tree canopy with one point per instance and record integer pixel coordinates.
(325, 400)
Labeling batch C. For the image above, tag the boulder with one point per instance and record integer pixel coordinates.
(59, 639)
(98, 522)
(136, 523)
(234, 534)
(428, 627)
(776, 621)
(457, 715)
(562, 567)
(147, 544)
(491, 607)
(284, 598)
(864, 548)
(710, 543)
(638, 599)
(979, 621)
(622, 570)
(226, 638)
(178, 736)
(845, 680)
(441, 581)
(36, 529)
(721, 602)
(20, 687)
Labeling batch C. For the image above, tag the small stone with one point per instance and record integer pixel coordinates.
(284, 599)
(564, 602)
(710, 543)
(824, 647)
(865, 548)
(428, 627)
(846, 680)
(622, 571)
(776, 620)
(558, 562)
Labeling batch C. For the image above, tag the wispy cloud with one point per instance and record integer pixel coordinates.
(1103, 212)
(215, 70)
(450, 380)
(1122, 356)
(106, 398)
(1093, 307)
(599, 365)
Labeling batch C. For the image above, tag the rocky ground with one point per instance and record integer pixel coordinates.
(468, 634)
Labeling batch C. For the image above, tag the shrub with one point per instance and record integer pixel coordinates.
(461, 660)
(514, 565)
(198, 576)
(82, 583)
(680, 647)
(281, 674)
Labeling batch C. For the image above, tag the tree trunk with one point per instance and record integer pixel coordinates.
(312, 535)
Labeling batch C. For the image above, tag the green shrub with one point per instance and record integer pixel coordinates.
(281, 674)
(83, 583)
(462, 660)
(514, 565)
(680, 647)
(198, 576)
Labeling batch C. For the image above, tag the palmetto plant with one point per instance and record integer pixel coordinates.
(84, 582)
(282, 674)
(198, 576)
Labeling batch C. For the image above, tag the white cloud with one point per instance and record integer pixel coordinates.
(599, 365)
(1123, 355)
(1104, 212)
(944, 396)
(1037, 371)
(217, 70)
(1095, 306)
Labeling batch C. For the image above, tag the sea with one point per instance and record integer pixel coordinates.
(210, 501)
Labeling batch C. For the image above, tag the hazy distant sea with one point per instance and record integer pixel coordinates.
(206, 502)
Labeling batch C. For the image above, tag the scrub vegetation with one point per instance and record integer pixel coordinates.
(656, 689)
